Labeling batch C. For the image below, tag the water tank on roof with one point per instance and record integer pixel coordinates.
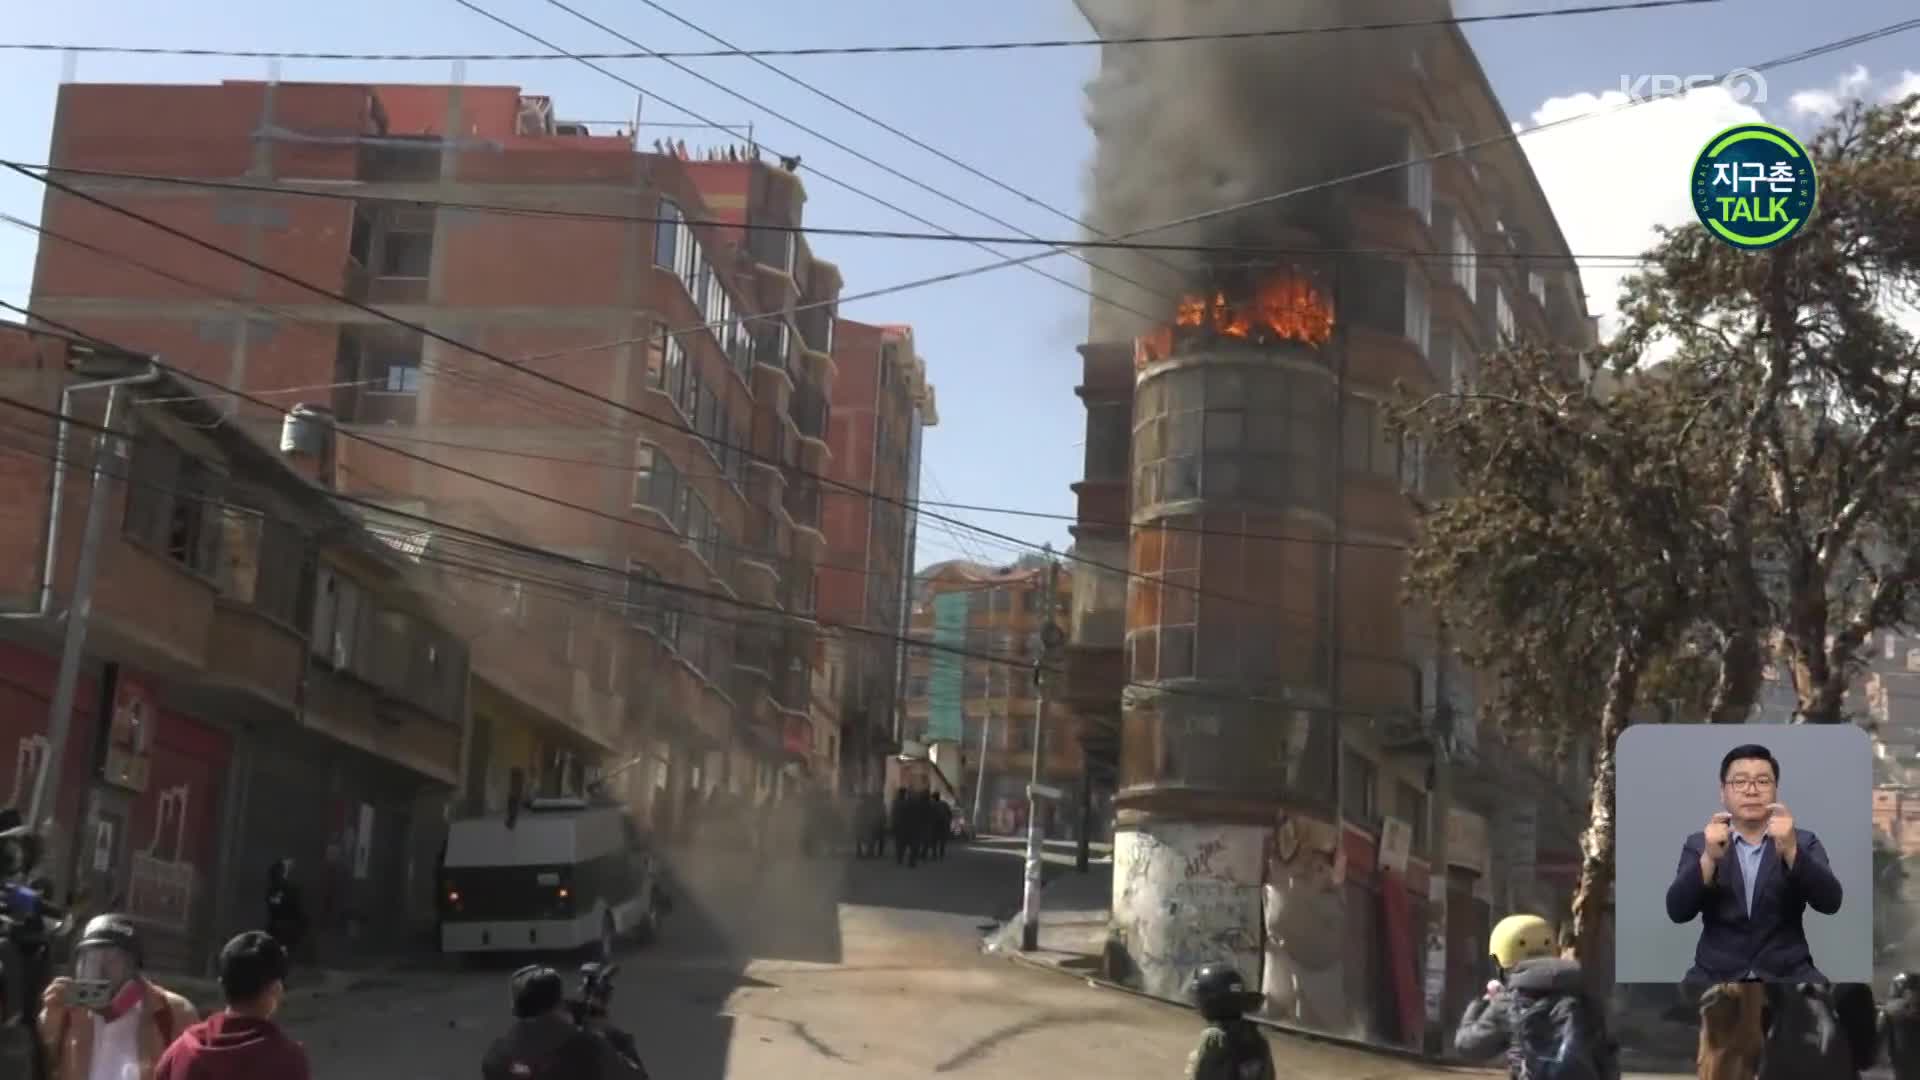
(307, 431)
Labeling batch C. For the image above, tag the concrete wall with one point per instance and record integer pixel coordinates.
(1188, 894)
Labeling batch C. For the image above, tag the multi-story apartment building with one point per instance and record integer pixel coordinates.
(261, 677)
(1249, 504)
(607, 358)
(882, 402)
(967, 613)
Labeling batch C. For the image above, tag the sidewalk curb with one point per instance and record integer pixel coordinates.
(1399, 1053)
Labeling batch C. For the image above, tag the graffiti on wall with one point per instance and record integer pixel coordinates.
(29, 757)
(161, 887)
(1188, 895)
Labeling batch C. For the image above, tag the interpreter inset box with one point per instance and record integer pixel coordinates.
(1744, 851)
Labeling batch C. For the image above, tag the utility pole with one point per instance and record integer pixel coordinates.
(1051, 638)
(980, 777)
(79, 607)
(1083, 856)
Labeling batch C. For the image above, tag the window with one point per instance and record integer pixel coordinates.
(1360, 795)
(403, 243)
(1465, 264)
(656, 483)
(676, 248)
(1371, 446)
(1419, 175)
(1502, 313)
(1412, 465)
(1537, 285)
(1192, 439)
(667, 364)
(1418, 318)
(666, 235)
(698, 527)
(648, 606)
(173, 504)
(1410, 806)
(382, 366)
(338, 619)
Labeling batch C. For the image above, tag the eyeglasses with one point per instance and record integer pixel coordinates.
(1749, 783)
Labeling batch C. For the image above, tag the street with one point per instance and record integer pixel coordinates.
(822, 968)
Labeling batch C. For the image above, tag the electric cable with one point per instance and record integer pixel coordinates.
(830, 178)
(867, 50)
(1157, 583)
(506, 544)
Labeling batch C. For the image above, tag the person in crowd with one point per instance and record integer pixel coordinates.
(286, 912)
(906, 839)
(108, 1019)
(942, 829)
(1231, 1047)
(1899, 1026)
(241, 1041)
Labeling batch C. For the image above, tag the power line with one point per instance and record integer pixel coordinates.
(1009, 240)
(505, 544)
(861, 50)
(830, 178)
(1328, 184)
(896, 132)
(543, 377)
(620, 519)
(1155, 582)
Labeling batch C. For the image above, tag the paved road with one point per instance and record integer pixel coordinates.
(822, 969)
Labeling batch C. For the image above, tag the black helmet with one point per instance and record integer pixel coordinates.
(111, 932)
(1905, 983)
(1221, 992)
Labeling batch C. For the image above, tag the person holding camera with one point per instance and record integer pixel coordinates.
(546, 1043)
(107, 1019)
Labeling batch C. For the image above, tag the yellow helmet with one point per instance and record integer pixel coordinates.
(1520, 937)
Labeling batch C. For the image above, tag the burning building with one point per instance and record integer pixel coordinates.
(1286, 734)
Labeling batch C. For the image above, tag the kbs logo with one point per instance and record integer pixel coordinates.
(1744, 85)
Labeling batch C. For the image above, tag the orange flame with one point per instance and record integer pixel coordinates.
(1285, 307)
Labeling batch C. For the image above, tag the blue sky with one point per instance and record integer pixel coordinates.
(999, 346)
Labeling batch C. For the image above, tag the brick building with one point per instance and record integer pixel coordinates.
(262, 677)
(882, 402)
(962, 607)
(680, 479)
(1278, 705)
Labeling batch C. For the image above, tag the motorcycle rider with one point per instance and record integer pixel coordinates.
(1538, 1011)
(107, 1019)
(545, 1043)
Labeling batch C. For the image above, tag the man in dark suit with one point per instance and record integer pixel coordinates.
(1750, 875)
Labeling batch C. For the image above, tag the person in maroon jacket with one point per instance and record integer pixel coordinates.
(242, 1041)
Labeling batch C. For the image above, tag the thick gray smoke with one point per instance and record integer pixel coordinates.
(1183, 128)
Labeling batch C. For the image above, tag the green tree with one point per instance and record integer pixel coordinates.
(1624, 534)
(1819, 524)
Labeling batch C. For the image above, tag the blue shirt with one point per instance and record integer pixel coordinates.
(1749, 855)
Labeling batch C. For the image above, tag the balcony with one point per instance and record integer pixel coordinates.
(596, 712)
(255, 653)
(811, 411)
(802, 501)
(155, 602)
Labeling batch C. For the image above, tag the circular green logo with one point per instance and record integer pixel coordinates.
(1753, 186)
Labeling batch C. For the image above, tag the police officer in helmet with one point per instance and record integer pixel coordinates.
(1231, 1047)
